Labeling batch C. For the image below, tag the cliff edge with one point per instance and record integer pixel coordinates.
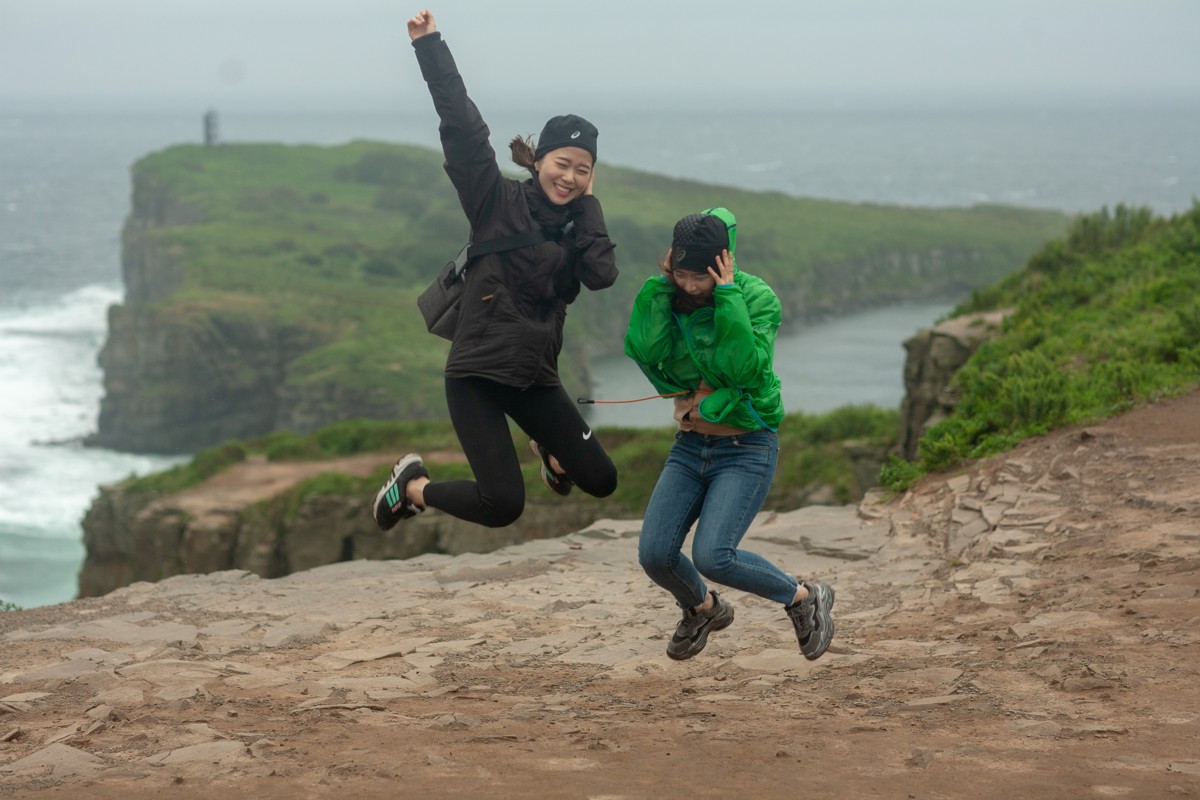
(1026, 626)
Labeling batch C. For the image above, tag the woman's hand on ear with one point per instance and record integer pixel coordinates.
(723, 274)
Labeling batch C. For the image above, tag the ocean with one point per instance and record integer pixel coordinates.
(64, 193)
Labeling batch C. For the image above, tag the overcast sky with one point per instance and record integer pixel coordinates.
(231, 51)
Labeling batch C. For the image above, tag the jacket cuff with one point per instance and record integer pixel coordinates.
(427, 40)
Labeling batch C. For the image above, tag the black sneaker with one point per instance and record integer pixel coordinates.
(391, 502)
(691, 634)
(810, 617)
(556, 482)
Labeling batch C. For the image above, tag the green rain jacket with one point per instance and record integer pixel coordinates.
(730, 345)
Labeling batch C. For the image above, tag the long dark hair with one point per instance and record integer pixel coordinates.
(522, 152)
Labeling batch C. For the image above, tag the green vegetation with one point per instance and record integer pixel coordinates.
(1106, 319)
(203, 465)
(331, 245)
(7, 606)
(811, 452)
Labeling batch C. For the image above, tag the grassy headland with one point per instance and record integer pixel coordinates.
(337, 241)
(1105, 319)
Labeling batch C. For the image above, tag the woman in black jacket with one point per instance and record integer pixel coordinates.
(504, 354)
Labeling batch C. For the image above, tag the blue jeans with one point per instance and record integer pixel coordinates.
(722, 481)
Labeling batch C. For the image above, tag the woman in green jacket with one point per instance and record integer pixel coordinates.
(703, 332)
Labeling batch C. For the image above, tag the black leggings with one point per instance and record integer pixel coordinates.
(548, 415)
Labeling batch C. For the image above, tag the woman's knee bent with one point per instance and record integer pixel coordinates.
(504, 513)
(655, 561)
(716, 565)
(601, 483)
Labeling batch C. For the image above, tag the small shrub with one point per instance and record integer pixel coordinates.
(897, 475)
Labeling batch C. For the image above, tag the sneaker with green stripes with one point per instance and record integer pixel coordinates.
(391, 502)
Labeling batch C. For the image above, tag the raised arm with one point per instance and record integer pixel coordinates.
(470, 159)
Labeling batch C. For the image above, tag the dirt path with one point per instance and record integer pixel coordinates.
(257, 479)
(1027, 627)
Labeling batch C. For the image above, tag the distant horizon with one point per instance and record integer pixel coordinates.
(315, 102)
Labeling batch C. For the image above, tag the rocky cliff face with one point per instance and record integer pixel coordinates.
(177, 384)
(933, 355)
(243, 518)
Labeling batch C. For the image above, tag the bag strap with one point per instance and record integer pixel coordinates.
(511, 242)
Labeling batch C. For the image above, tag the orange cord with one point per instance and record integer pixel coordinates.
(583, 401)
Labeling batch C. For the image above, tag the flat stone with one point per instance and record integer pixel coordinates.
(229, 627)
(184, 691)
(603, 653)
(209, 753)
(773, 660)
(259, 679)
(544, 644)
(964, 535)
(959, 484)
(965, 516)
(62, 671)
(1021, 519)
(24, 697)
(123, 629)
(295, 632)
(993, 512)
(169, 672)
(499, 574)
(345, 658)
(102, 712)
(98, 656)
(120, 696)
(62, 760)
(1057, 621)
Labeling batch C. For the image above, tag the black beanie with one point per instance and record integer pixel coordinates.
(697, 242)
(567, 130)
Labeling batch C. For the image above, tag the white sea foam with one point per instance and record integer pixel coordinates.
(52, 391)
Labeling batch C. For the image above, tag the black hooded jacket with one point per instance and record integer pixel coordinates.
(514, 302)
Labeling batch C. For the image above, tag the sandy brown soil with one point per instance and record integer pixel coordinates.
(1025, 627)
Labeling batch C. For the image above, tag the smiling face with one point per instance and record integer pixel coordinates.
(564, 173)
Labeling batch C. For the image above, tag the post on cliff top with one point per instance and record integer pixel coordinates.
(210, 128)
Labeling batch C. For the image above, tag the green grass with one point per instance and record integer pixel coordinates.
(332, 244)
(1105, 320)
(811, 451)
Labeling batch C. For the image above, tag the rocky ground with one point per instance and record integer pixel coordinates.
(1025, 627)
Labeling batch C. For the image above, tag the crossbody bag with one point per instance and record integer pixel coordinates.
(441, 301)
